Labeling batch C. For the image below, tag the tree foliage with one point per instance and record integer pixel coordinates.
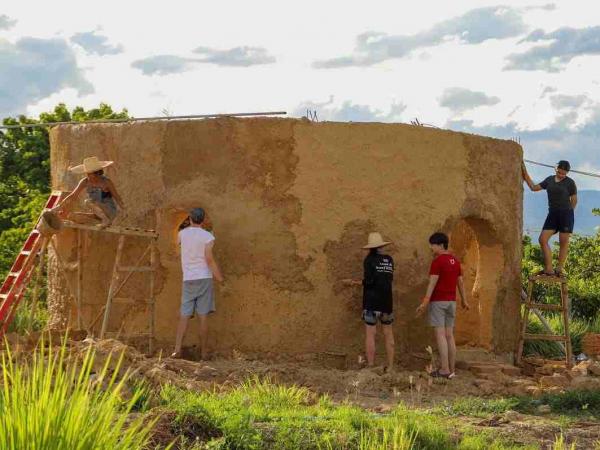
(25, 172)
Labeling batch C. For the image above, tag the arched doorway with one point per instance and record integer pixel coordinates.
(480, 252)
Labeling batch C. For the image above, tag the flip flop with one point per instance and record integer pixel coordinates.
(437, 374)
(548, 274)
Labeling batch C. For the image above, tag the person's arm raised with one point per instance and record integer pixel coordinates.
(212, 263)
(534, 187)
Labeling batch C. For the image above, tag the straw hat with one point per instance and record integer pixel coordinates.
(375, 240)
(91, 164)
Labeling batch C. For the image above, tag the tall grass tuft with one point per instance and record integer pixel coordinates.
(548, 349)
(53, 401)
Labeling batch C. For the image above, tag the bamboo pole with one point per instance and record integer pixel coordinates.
(564, 297)
(151, 305)
(138, 119)
(113, 282)
(79, 276)
(38, 280)
(62, 268)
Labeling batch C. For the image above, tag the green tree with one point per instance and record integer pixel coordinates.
(25, 172)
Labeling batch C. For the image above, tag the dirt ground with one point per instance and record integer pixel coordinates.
(370, 388)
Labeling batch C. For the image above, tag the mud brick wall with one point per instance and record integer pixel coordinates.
(291, 202)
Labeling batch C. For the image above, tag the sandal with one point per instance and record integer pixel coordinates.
(560, 273)
(437, 374)
(544, 273)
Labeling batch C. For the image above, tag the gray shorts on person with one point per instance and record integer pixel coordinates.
(441, 314)
(198, 296)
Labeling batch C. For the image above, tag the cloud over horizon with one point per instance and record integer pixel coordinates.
(234, 57)
(96, 44)
(6, 22)
(473, 27)
(349, 111)
(33, 69)
(461, 99)
(560, 47)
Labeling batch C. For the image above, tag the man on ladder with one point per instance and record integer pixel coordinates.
(562, 199)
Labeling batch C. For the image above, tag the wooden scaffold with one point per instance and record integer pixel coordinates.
(146, 263)
(33, 254)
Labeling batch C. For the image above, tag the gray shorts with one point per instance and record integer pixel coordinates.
(442, 314)
(198, 296)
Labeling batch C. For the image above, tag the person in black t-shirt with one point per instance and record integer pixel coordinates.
(377, 298)
(562, 199)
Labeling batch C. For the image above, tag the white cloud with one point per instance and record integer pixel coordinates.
(561, 47)
(6, 22)
(295, 36)
(461, 99)
(96, 44)
(33, 69)
(473, 27)
(348, 112)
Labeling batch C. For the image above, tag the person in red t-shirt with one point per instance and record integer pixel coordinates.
(440, 301)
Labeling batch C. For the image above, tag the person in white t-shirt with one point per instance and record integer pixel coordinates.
(199, 268)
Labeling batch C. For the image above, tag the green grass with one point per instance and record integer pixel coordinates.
(260, 415)
(478, 407)
(551, 350)
(570, 404)
(53, 401)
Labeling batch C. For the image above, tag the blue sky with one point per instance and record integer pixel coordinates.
(510, 69)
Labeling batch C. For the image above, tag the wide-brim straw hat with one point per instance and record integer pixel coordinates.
(375, 241)
(91, 164)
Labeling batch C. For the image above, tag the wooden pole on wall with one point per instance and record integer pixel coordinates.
(79, 277)
(113, 284)
(151, 299)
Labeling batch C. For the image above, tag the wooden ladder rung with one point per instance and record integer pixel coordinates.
(544, 337)
(548, 279)
(545, 306)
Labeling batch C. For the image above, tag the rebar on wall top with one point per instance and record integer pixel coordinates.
(138, 119)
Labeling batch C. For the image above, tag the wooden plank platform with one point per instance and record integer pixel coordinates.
(128, 231)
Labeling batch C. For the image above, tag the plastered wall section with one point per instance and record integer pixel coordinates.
(291, 202)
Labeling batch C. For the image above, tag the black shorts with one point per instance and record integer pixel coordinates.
(560, 220)
(371, 317)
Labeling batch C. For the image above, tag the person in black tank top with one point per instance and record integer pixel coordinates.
(378, 274)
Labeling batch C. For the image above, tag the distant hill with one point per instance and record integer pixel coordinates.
(536, 209)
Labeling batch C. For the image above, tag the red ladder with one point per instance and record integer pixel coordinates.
(16, 281)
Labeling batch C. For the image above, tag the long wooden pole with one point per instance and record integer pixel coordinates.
(151, 305)
(79, 276)
(137, 119)
(38, 280)
(113, 283)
